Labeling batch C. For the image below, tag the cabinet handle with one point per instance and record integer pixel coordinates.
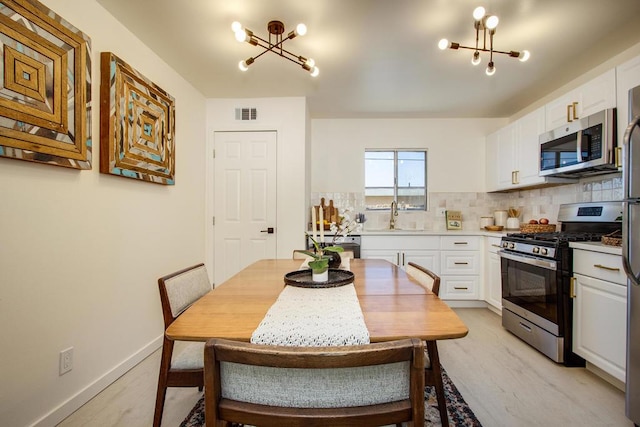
(460, 243)
(604, 267)
(496, 246)
(618, 157)
(460, 263)
(517, 177)
(402, 258)
(397, 258)
(572, 287)
(575, 110)
(569, 113)
(525, 327)
(460, 288)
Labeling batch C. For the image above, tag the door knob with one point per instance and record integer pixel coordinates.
(269, 230)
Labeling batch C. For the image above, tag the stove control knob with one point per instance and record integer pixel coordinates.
(505, 244)
(536, 249)
(512, 245)
(544, 251)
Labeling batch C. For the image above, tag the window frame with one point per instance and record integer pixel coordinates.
(395, 152)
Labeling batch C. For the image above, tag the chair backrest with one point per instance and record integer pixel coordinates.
(181, 289)
(424, 276)
(374, 384)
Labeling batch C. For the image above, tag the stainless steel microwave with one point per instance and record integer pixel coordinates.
(583, 147)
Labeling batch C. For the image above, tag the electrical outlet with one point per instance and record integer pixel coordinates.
(66, 360)
(440, 212)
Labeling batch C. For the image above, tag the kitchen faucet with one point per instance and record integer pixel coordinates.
(394, 213)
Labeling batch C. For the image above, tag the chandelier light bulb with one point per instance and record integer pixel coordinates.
(524, 55)
(301, 30)
(492, 22)
(310, 62)
(443, 44)
(491, 69)
(243, 66)
(476, 58)
(236, 26)
(241, 35)
(478, 13)
(315, 71)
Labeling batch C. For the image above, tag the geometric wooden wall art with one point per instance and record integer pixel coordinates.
(136, 124)
(45, 87)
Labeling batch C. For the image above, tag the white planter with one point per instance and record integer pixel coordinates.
(320, 277)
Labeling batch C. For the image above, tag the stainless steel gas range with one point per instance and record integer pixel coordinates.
(537, 271)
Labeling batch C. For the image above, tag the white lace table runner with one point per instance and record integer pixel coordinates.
(313, 317)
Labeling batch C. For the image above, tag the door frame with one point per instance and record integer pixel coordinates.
(210, 187)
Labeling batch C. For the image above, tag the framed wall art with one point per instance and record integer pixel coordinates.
(45, 90)
(136, 124)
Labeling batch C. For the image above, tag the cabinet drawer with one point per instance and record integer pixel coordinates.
(599, 265)
(459, 262)
(460, 243)
(459, 287)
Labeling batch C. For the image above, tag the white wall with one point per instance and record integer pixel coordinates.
(288, 117)
(81, 252)
(456, 150)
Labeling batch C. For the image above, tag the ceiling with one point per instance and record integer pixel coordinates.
(379, 58)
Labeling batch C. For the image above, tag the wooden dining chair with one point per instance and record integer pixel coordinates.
(185, 368)
(432, 368)
(363, 385)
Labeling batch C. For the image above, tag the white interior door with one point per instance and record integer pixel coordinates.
(244, 201)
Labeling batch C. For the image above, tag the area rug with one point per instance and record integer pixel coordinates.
(459, 412)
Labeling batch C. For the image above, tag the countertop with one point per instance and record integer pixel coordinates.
(597, 247)
(434, 233)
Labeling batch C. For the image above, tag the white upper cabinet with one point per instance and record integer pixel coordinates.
(528, 130)
(513, 154)
(627, 77)
(596, 95)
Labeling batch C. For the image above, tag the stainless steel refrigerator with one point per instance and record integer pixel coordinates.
(631, 252)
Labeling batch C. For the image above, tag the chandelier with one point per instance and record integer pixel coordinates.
(274, 44)
(487, 24)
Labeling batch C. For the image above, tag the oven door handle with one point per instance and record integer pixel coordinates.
(543, 263)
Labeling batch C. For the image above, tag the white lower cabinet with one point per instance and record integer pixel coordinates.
(460, 267)
(456, 259)
(400, 250)
(600, 311)
(492, 276)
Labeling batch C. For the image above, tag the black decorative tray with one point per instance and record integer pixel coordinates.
(302, 279)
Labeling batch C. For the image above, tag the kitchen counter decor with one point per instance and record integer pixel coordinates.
(303, 279)
(612, 239)
(537, 228)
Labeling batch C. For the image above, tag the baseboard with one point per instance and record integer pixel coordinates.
(620, 385)
(56, 415)
(496, 310)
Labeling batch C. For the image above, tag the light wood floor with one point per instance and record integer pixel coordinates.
(505, 382)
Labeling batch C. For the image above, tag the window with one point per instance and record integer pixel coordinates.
(399, 175)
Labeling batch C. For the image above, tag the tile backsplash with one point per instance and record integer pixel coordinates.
(534, 204)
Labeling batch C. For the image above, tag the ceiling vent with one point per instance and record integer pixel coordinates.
(246, 114)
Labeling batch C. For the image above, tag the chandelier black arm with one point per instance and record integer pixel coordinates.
(511, 53)
(271, 47)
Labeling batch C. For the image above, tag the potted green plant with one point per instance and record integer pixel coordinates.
(321, 257)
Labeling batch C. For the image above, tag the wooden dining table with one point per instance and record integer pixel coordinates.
(394, 305)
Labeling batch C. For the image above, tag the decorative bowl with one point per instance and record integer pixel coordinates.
(494, 227)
